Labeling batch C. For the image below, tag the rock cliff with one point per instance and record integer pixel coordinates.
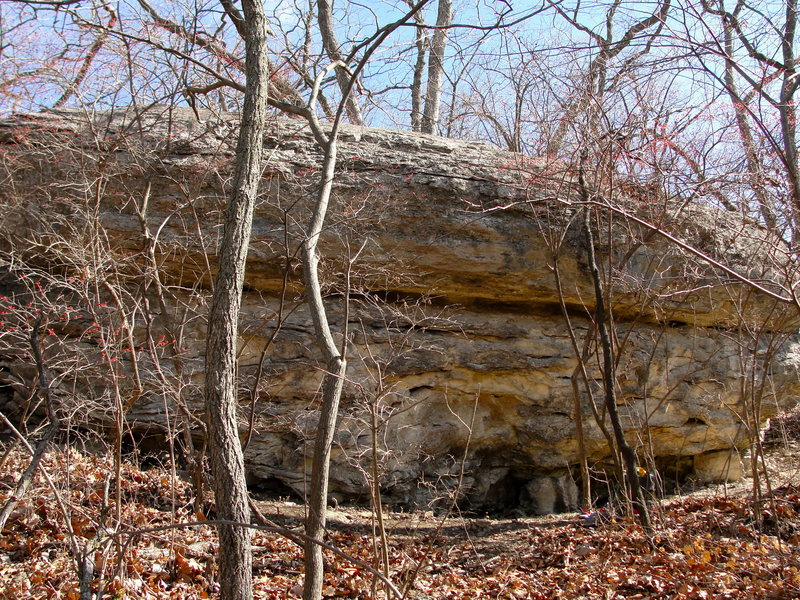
(462, 365)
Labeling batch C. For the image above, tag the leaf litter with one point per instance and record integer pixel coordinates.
(704, 546)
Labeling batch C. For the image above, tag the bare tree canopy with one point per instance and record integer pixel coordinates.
(609, 217)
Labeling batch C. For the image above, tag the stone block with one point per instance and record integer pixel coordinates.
(721, 466)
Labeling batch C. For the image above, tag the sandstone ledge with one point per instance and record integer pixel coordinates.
(454, 298)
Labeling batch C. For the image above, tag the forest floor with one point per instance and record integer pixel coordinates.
(706, 542)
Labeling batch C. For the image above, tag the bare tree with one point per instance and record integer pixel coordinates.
(422, 44)
(335, 366)
(433, 93)
(609, 368)
(599, 74)
(748, 52)
(227, 462)
(332, 48)
(202, 67)
(334, 356)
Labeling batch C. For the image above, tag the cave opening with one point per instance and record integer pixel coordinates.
(507, 494)
(272, 488)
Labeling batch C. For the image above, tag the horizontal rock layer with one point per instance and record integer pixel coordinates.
(460, 357)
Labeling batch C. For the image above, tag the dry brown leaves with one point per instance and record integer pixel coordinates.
(703, 548)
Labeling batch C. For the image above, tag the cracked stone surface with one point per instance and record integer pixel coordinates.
(459, 352)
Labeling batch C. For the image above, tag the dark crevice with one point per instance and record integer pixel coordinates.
(272, 488)
(419, 388)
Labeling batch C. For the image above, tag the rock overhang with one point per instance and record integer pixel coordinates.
(454, 296)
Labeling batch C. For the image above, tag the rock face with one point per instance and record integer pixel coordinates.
(462, 368)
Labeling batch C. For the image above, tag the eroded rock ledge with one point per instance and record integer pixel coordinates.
(459, 346)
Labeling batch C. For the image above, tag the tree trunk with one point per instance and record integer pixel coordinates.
(335, 359)
(609, 376)
(740, 111)
(26, 478)
(787, 109)
(421, 42)
(331, 45)
(433, 94)
(587, 100)
(331, 385)
(227, 463)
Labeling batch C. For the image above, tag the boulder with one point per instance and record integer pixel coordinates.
(720, 466)
(461, 360)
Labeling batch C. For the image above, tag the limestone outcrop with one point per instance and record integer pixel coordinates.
(462, 366)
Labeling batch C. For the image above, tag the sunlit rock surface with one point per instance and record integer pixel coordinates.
(460, 357)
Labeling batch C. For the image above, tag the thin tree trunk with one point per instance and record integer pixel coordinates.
(331, 387)
(433, 94)
(596, 75)
(745, 133)
(227, 463)
(335, 359)
(787, 109)
(602, 319)
(331, 45)
(377, 504)
(55, 425)
(609, 379)
(421, 42)
(94, 50)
